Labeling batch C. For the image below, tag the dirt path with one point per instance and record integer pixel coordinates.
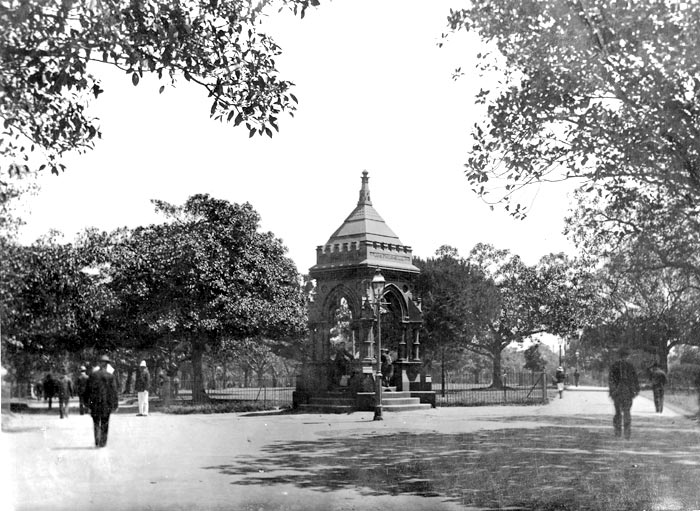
(557, 456)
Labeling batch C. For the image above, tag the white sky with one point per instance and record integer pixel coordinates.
(375, 93)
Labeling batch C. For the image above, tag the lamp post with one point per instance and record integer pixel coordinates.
(560, 342)
(378, 283)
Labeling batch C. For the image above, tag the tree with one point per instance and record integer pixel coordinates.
(49, 48)
(50, 306)
(458, 301)
(532, 300)
(533, 358)
(207, 277)
(603, 92)
(651, 311)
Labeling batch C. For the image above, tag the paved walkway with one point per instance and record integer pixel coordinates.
(557, 456)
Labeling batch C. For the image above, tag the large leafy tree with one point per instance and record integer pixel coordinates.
(458, 302)
(47, 80)
(649, 310)
(532, 300)
(207, 277)
(604, 92)
(51, 303)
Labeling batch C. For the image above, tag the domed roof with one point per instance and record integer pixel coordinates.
(364, 240)
(364, 223)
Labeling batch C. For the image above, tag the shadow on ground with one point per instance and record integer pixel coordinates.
(574, 463)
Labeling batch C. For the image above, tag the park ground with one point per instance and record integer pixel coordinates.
(562, 455)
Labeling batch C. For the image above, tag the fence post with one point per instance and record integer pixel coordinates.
(545, 397)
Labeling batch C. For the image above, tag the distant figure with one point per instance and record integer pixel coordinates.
(176, 385)
(576, 377)
(342, 362)
(64, 388)
(81, 384)
(143, 383)
(102, 399)
(161, 384)
(560, 377)
(387, 367)
(39, 389)
(658, 381)
(624, 387)
(49, 385)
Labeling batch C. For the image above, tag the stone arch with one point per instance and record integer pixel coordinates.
(332, 299)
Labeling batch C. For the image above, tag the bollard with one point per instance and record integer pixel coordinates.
(545, 397)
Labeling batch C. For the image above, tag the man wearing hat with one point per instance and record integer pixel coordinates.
(624, 387)
(102, 399)
(560, 378)
(143, 383)
(80, 387)
(387, 367)
(64, 389)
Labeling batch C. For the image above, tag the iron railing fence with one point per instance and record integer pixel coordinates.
(262, 392)
(518, 388)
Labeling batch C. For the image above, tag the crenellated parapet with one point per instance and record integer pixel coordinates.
(364, 253)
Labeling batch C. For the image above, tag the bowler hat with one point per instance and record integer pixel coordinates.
(142, 364)
(105, 358)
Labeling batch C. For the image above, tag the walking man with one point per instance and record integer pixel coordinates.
(64, 387)
(387, 367)
(102, 399)
(49, 388)
(143, 383)
(80, 388)
(560, 376)
(658, 381)
(624, 387)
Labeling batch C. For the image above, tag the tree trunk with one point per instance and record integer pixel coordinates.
(199, 395)
(442, 372)
(497, 382)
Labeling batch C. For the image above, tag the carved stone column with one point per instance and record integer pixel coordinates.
(415, 347)
(402, 343)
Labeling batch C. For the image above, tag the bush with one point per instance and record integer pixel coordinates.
(217, 407)
(683, 375)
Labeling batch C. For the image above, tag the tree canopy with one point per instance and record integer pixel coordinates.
(49, 303)
(208, 276)
(47, 73)
(604, 92)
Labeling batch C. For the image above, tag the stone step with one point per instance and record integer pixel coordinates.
(396, 395)
(405, 408)
(399, 401)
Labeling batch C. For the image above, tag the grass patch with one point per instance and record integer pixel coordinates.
(687, 401)
(186, 408)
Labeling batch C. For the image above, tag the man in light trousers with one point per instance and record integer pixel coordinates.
(143, 383)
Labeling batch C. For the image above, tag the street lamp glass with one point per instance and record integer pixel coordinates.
(378, 283)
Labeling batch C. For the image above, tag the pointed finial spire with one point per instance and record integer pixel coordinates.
(364, 191)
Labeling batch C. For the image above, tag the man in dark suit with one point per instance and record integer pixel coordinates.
(624, 387)
(80, 388)
(102, 399)
(658, 381)
(65, 391)
(49, 388)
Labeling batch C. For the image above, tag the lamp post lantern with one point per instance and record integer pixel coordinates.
(378, 283)
(560, 343)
